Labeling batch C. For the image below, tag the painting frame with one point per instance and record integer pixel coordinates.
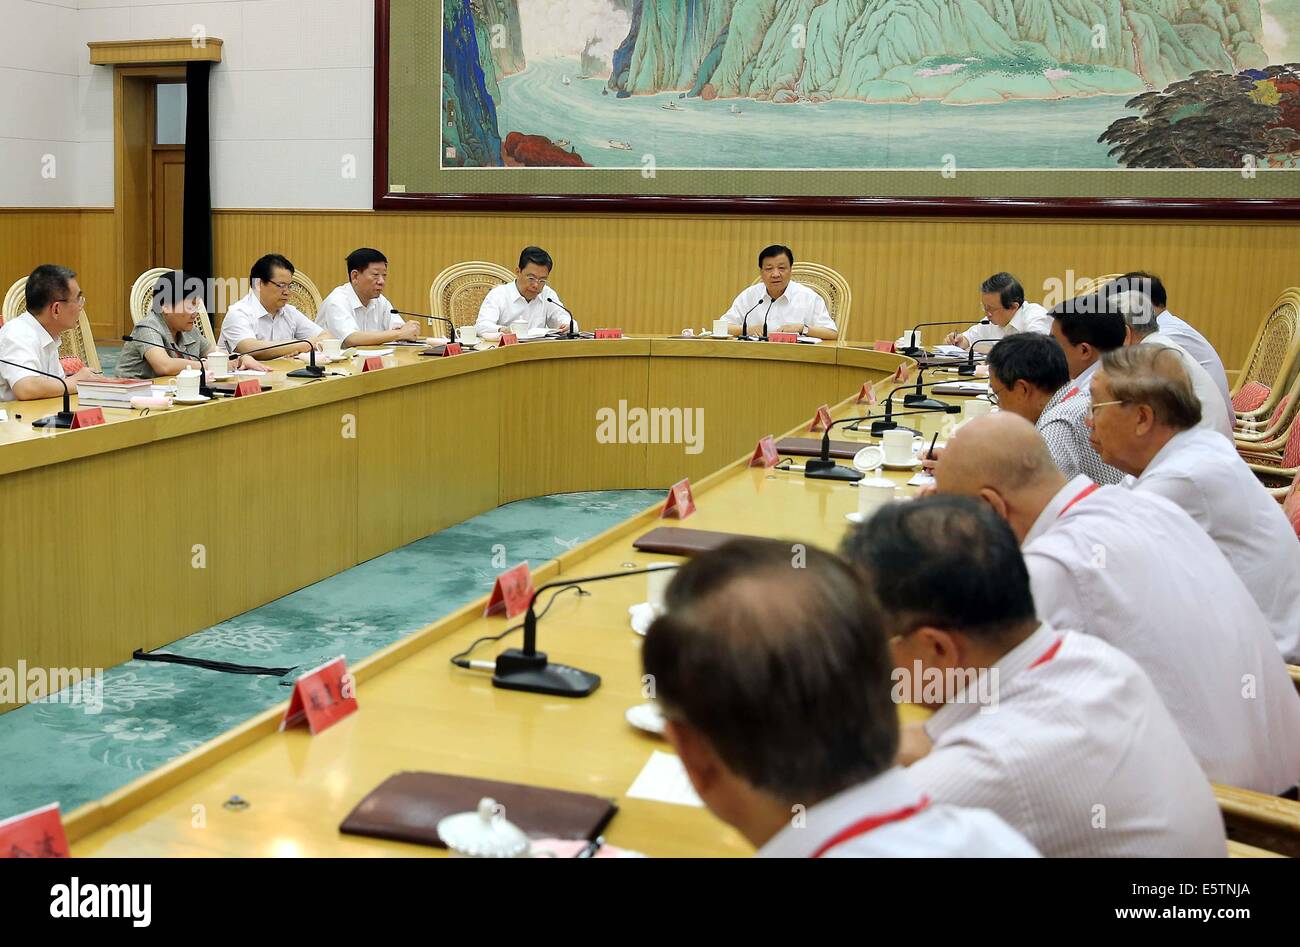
(1009, 206)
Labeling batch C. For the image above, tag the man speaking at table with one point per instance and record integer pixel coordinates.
(529, 298)
(778, 303)
(358, 312)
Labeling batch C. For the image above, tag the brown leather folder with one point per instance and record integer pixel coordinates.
(683, 542)
(812, 447)
(407, 807)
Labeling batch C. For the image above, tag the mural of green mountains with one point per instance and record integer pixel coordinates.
(955, 51)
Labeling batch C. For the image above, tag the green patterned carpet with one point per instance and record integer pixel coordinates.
(152, 713)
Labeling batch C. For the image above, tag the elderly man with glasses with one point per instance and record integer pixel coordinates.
(31, 341)
(527, 299)
(265, 318)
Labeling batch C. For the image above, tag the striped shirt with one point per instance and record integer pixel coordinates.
(1133, 569)
(1063, 426)
(1079, 755)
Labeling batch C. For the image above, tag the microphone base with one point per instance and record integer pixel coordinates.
(880, 427)
(921, 401)
(911, 351)
(311, 371)
(61, 420)
(517, 671)
(829, 470)
(966, 369)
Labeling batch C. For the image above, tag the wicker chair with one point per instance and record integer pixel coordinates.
(1268, 435)
(830, 286)
(1272, 358)
(142, 297)
(1267, 822)
(458, 291)
(1276, 469)
(77, 342)
(304, 296)
(1097, 283)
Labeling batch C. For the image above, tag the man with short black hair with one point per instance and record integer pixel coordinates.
(54, 305)
(773, 672)
(528, 298)
(1135, 570)
(1046, 727)
(777, 303)
(265, 318)
(1183, 333)
(1003, 300)
(358, 312)
(1149, 430)
(1025, 373)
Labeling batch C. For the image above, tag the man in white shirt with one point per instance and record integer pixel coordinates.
(264, 319)
(527, 299)
(1058, 732)
(1148, 429)
(1133, 569)
(357, 312)
(1003, 300)
(1183, 333)
(779, 304)
(774, 675)
(54, 305)
(1028, 375)
(1144, 329)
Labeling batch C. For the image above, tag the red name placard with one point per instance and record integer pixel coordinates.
(509, 338)
(867, 395)
(35, 834)
(821, 420)
(373, 363)
(765, 454)
(252, 386)
(782, 337)
(681, 502)
(87, 417)
(886, 347)
(451, 348)
(901, 373)
(511, 592)
(323, 696)
(609, 333)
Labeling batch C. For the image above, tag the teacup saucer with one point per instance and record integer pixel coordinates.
(195, 399)
(911, 466)
(646, 717)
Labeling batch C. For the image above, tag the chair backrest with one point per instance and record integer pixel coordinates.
(457, 292)
(304, 296)
(142, 298)
(1273, 354)
(1097, 283)
(1268, 822)
(77, 342)
(830, 286)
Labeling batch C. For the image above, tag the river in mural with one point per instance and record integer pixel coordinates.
(870, 84)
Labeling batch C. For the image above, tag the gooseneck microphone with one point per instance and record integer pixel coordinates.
(744, 323)
(527, 669)
(573, 323)
(314, 371)
(64, 418)
(918, 399)
(887, 423)
(204, 390)
(767, 312)
(424, 315)
(915, 349)
(969, 367)
(824, 468)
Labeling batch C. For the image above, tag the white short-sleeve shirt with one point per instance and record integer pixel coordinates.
(798, 304)
(1214, 415)
(504, 304)
(25, 341)
(342, 313)
(1030, 317)
(248, 319)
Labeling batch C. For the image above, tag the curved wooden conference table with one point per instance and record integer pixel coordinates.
(281, 498)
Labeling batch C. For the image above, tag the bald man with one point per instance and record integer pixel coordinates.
(1135, 570)
(1148, 428)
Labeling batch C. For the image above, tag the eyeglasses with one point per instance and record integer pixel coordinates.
(992, 396)
(282, 287)
(535, 280)
(1093, 406)
(80, 300)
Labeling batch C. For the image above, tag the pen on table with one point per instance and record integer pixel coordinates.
(591, 848)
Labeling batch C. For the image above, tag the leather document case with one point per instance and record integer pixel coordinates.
(407, 807)
(683, 542)
(812, 447)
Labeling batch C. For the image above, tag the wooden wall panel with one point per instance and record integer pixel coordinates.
(80, 238)
(659, 274)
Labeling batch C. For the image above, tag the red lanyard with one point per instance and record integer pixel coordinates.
(871, 822)
(1087, 490)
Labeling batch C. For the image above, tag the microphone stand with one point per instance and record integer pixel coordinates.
(824, 468)
(969, 367)
(64, 418)
(744, 323)
(888, 423)
(434, 349)
(914, 350)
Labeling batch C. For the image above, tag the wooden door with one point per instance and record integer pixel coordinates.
(168, 198)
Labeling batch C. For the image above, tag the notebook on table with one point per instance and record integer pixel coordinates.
(407, 807)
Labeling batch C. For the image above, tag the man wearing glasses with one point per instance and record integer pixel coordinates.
(264, 317)
(54, 305)
(527, 299)
(1003, 301)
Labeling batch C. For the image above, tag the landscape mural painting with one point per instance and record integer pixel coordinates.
(842, 85)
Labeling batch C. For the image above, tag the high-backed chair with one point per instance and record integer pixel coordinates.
(830, 286)
(1097, 283)
(142, 299)
(76, 343)
(304, 296)
(1260, 820)
(1271, 361)
(457, 292)
(1269, 434)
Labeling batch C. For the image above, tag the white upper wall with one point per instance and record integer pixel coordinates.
(291, 101)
